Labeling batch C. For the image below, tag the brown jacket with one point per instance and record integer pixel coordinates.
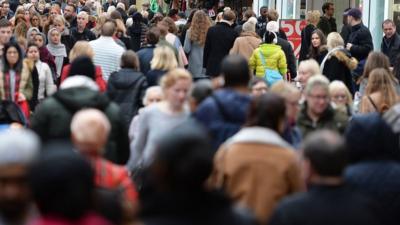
(25, 85)
(245, 44)
(257, 168)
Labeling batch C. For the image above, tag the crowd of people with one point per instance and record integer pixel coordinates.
(111, 115)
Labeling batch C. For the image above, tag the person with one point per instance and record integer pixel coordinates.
(83, 48)
(35, 21)
(60, 24)
(107, 4)
(391, 41)
(57, 49)
(66, 195)
(15, 78)
(219, 40)
(346, 28)
(316, 112)
(327, 22)
(6, 12)
(146, 53)
(248, 40)
(52, 117)
(312, 18)
(81, 32)
(177, 194)
(268, 56)
(242, 165)
(292, 96)
(338, 63)
(287, 48)
(194, 42)
(46, 86)
(174, 41)
(224, 112)
(258, 86)
(262, 20)
(246, 15)
(307, 69)
(16, 205)
(127, 86)
(273, 15)
(318, 48)
(330, 199)
(184, 28)
(137, 31)
(163, 61)
(341, 97)
(380, 93)
(360, 40)
(70, 15)
(5, 33)
(107, 53)
(200, 91)
(161, 118)
(90, 129)
(374, 153)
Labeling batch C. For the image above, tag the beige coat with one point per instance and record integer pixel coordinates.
(257, 168)
(245, 44)
(25, 85)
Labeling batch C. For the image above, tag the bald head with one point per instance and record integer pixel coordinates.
(90, 129)
(108, 29)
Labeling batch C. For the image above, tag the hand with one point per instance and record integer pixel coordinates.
(21, 97)
(348, 46)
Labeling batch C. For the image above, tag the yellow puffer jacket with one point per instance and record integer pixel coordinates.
(274, 57)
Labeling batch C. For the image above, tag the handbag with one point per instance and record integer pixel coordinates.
(270, 75)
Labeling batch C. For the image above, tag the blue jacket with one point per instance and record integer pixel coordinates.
(223, 120)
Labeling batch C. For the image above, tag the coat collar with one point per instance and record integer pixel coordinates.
(260, 135)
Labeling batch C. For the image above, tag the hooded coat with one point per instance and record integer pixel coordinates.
(274, 56)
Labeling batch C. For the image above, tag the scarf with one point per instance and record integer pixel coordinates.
(58, 51)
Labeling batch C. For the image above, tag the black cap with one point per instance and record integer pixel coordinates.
(354, 12)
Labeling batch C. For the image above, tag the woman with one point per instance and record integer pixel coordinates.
(46, 85)
(256, 167)
(194, 43)
(57, 49)
(158, 119)
(268, 56)
(99, 24)
(312, 18)
(380, 93)
(338, 63)
(36, 21)
(187, 26)
(258, 86)
(21, 27)
(174, 40)
(248, 40)
(318, 48)
(127, 86)
(83, 48)
(163, 60)
(30, 35)
(137, 32)
(120, 35)
(341, 97)
(307, 69)
(15, 79)
(59, 24)
(45, 55)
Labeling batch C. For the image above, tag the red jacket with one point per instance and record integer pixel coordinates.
(99, 77)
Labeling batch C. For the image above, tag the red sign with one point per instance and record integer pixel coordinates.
(293, 29)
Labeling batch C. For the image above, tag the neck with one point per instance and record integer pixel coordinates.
(327, 16)
(354, 23)
(174, 109)
(331, 181)
(314, 117)
(81, 29)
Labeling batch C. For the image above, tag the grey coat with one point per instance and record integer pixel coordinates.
(195, 52)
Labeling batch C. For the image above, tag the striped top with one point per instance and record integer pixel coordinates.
(107, 55)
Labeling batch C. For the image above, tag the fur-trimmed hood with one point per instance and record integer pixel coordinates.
(346, 58)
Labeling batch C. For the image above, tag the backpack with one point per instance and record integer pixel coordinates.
(270, 75)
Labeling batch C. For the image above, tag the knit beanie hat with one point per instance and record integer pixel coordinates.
(250, 25)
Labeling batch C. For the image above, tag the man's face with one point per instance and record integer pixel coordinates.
(264, 12)
(14, 192)
(5, 35)
(389, 29)
(318, 100)
(82, 21)
(69, 12)
(331, 10)
(6, 8)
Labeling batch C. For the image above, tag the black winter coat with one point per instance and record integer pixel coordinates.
(391, 48)
(306, 41)
(145, 55)
(126, 88)
(361, 39)
(219, 41)
(289, 54)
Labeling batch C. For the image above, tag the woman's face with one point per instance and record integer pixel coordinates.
(292, 105)
(177, 94)
(55, 37)
(59, 26)
(12, 56)
(339, 97)
(315, 40)
(27, 15)
(33, 53)
(39, 40)
(35, 22)
(302, 75)
(259, 89)
(33, 35)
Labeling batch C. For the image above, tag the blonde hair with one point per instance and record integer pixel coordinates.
(334, 40)
(170, 78)
(273, 15)
(81, 48)
(284, 89)
(317, 80)
(313, 16)
(90, 129)
(338, 85)
(199, 27)
(310, 65)
(164, 59)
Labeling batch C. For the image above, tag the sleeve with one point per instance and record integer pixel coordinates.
(235, 48)
(187, 46)
(50, 86)
(294, 176)
(291, 61)
(99, 79)
(253, 60)
(365, 45)
(139, 142)
(207, 47)
(27, 90)
(64, 73)
(282, 65)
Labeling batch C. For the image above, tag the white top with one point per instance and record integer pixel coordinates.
(107, 55)
(46, 83)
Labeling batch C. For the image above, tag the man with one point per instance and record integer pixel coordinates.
(108, 4)
(391, 41)
(262, 20)
(329, 199)
(224, 112)
(81, 32)
(346, 28)
(6, 12)
(246, 16)
(70, 15)
(5, 33)
(360, 40)
(327, 22)
(146, 53)
(17, 150)
(53, 117)
(219, 41)
(316, 112)
(107, 53)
